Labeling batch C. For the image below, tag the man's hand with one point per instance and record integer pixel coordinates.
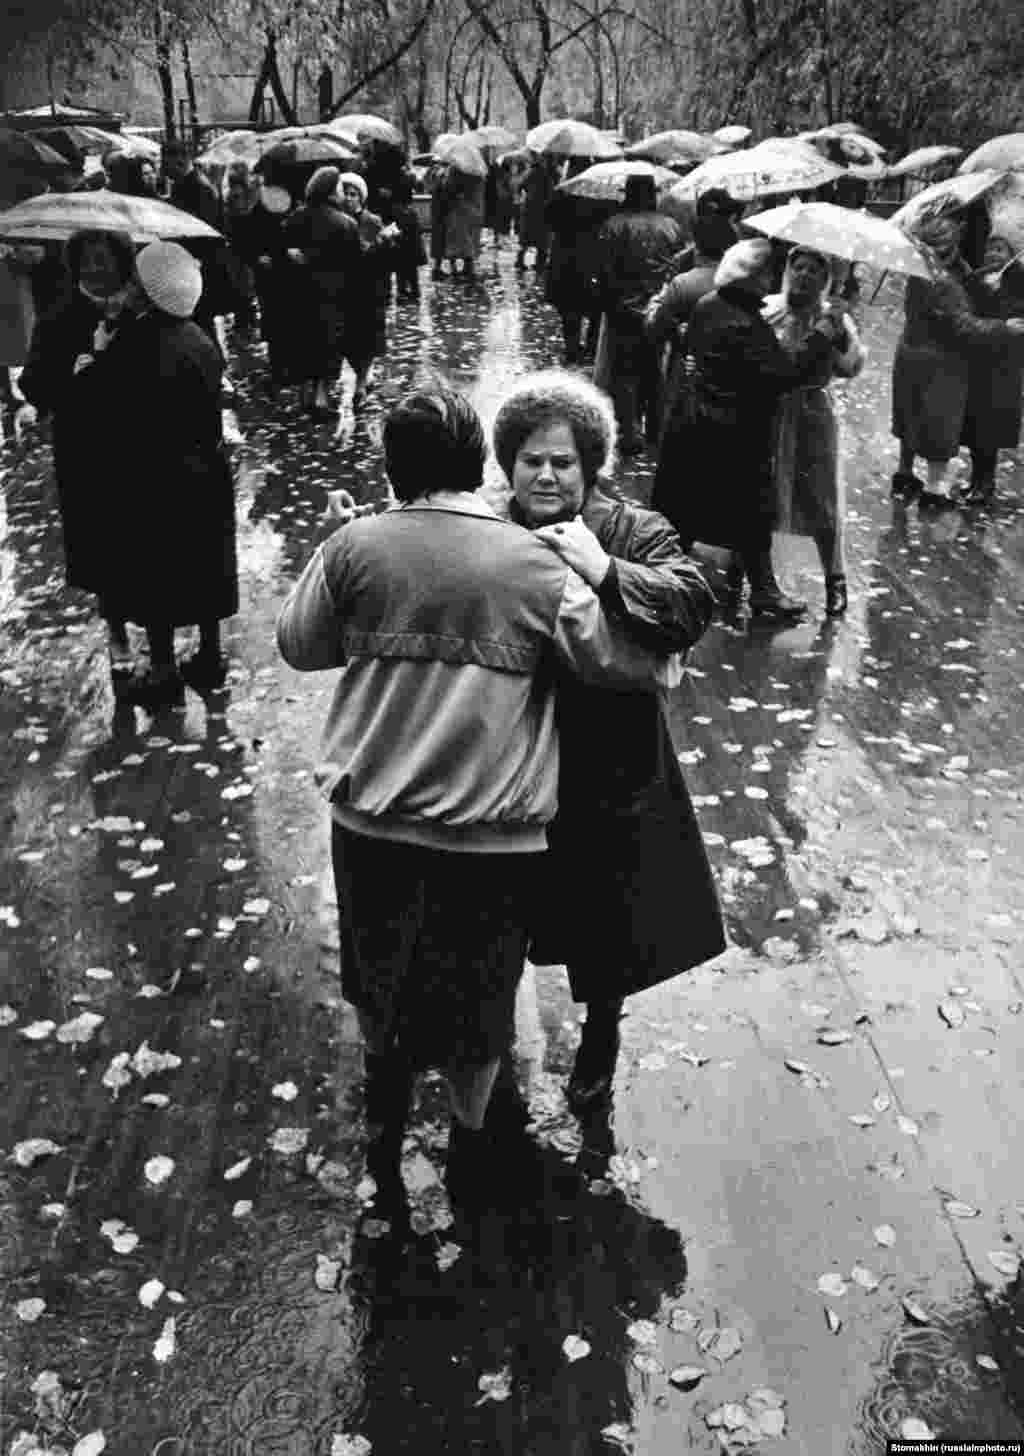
(579, 548)
(341, 508)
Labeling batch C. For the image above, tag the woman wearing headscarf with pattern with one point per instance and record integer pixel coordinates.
(943, 339)
(811, 501)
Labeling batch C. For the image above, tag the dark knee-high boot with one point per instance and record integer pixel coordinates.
(594, 1069)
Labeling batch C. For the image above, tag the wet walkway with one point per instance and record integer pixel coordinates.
(810, 1185)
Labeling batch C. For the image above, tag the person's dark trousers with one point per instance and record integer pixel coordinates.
(756, 556)
(572, 324)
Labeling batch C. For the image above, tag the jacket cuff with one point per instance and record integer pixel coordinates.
(609, 593)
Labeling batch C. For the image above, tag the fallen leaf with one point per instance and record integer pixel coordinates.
(683, 1321)
(80, 1029)
(801, 1068)
(166, 1343)
(833, 1285)
(242, 1208)
(1006, 1262)
(29, 1310)
(237, 1169)
(285, 1091)
(447, 1255)
(832, 1036)
(722, 1344)
(350, 1446)
(908, 1125)
(915, 1313)
(151, 1293)
(90, 1445)
(256, 907)
(156, 1099)
(913, 1429)
(643, 1332)
(574, 1347)
(37, 1030)
(26, 1153)
(289, 1140)
(158, 1169)
(832, 1321)
(147, 1062)
(619, 1434)
(123, 1239)
(885, 1235)
(686, 1377)
(986, 1362)
(881, 1103)
(646, 1363)
(496, 1385)
(956, 1209)
(864, 1278)
(862, 1119)
(952, 1014)
(328, 1271)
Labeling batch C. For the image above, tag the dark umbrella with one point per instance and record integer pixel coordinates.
(302, 151)
(20, 151)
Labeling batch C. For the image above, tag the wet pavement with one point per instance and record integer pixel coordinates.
(809, 1187)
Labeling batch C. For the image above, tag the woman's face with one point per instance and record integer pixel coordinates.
(147, 172)
(547, 477)
(352, 199)
(807, 278)
(98, 272)
(998, 252)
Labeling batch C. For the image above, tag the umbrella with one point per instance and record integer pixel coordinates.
(1006, 208)
(606, 181)
(234, 146)
(461, 154)
(732, 136)
(311, 149)
(492, 138)
(570, 139)
(1000, 154)
(674, 146)
(79, 141)
(842, 232)
(137, 145)
(924, 159)
(955, 192)
(767, 170)
(20, 151)
(365, 128)
(56, 216)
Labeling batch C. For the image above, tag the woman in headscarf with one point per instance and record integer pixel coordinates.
(364, 334)
(101, 265)
(162, 502)
(323, 242)
(811, 500)
(993, 417)
(715, 483)
(625, 848)
(942, 334)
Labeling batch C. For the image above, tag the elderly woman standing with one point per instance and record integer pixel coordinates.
(993, 416)
(811, 501)
(627, 898)
(324, 245)
(714, 480)
(101, 265)
(364, 335)
(943, 339)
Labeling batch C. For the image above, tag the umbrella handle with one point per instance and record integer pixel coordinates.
(878, 285)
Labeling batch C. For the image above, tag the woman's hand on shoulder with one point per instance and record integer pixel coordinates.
(579, 548)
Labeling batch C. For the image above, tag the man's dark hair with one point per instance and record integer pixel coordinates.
(433, 440)
(641, 194)
(713, 235)
(716, 202)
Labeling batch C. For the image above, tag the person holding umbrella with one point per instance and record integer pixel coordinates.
(806, 460)
(537, 190)
(573, 223)
(368, 285)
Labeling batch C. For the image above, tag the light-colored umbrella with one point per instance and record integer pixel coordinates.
(87, 141)
(492, 138)
(365, 128)
(843, 232)
(137, 145)
(732, 136)
(606, 181)
(317, 149)
(766, 170)
(924, 159)
(234, 146)
(674, 146)
(999, 154)
(954, 192)
(571, 139)
(56, 216)
(1006, 209)
(461, 154)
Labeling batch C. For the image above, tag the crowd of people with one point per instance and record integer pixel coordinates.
(489, 659)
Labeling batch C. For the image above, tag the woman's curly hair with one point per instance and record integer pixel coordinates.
(554, 396)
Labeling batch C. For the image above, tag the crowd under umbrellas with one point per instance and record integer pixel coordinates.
(814, 227)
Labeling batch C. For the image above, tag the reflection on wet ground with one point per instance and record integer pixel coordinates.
(187, 1252)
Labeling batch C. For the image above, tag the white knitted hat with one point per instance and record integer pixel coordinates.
(353, 179)
(170, 277)
(275, 199)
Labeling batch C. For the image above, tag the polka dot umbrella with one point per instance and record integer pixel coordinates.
(843, 232)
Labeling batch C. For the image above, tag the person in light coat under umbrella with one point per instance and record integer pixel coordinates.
(806, 461)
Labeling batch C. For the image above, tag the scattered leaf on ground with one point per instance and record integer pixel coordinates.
(151, 1293)
(833, 1036)
(1006, 1262)
(885, 1235)
(80, 1029)
(29, 1310)
(951, 1013)
(328, 1271)
(956, 1209)
(166, 1344)
(90, 1445)
(496, 1385)
(687, 1377)
(986, 1362)
(26, 1153)
(574, 1347)
(158, 1169)
(350, 1446)
(683, 1321)
(289, 1139)
(832, 1320)
(864, 1278)
(833, 1285)
(914, 1429)
(915, 1313)
(643, 1332)
(284, 1091)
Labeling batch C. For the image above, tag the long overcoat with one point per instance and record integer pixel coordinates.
(995, 385)
(329, 239)
(571, 283)
(627, 898)
(159, 492)
(714, 479)
(942, 340)
(464, 216)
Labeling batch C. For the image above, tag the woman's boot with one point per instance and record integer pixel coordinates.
(593, 1073)
(836, 596)
(388, 1095)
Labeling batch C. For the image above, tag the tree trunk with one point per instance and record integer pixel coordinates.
(270, 75)
(163, 68)
(190, 90)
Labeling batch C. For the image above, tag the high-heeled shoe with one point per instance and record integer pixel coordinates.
(836, 596)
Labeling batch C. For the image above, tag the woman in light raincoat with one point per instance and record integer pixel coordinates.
(806, 458)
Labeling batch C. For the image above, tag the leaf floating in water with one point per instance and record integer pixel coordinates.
(123, 1239)
(864, 1278)
(833, 1285)
(862, 1119)
(447, 1255)
(881, 1103)
(26, 1153)
(29, 1310)
(242, 1208)
(885, 1235)
(915, 1314)
(166, 1345)
(952, 1014)
(151, 1293)
(802, 1069)
(328, 1271)
(8, 1015)
(647, 1364)
(285, 1091)
(956, 1209)
(236, 1170)
(1006, 1262)
(574, 1347)
(986, 1362)
(832, 1321)
(686, 1377)
(497, 1386)
(909, 1126)
(722, 1344)
(158, 1170)
(37, 1030)
(619, 1434)
(80, 1029)
(914, 1429)
(832, 1036)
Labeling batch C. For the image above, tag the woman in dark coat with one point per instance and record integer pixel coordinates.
(162, 374)
(56, 381)
(993, 417)
(323, 241)
(573, 223)
(714, 480)
(261, 242)
(369, 284)
(625, 835)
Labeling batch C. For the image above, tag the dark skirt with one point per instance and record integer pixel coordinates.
(433, 943)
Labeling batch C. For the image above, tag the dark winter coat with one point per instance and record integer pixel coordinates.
(365, 330)
(538, 188)
(627, 898)
(573, 261)
(329, 239)
(160, 492)
(49, 382)
(993, 416)
(635, 251)
(943, 338)
(714, 480)
(667, 320)
(464, 215)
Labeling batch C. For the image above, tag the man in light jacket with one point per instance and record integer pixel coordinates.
(440, 762)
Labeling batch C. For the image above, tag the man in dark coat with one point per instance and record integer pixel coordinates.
(714, 479)
(635, 252)
(196, 194)
(574, 223)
